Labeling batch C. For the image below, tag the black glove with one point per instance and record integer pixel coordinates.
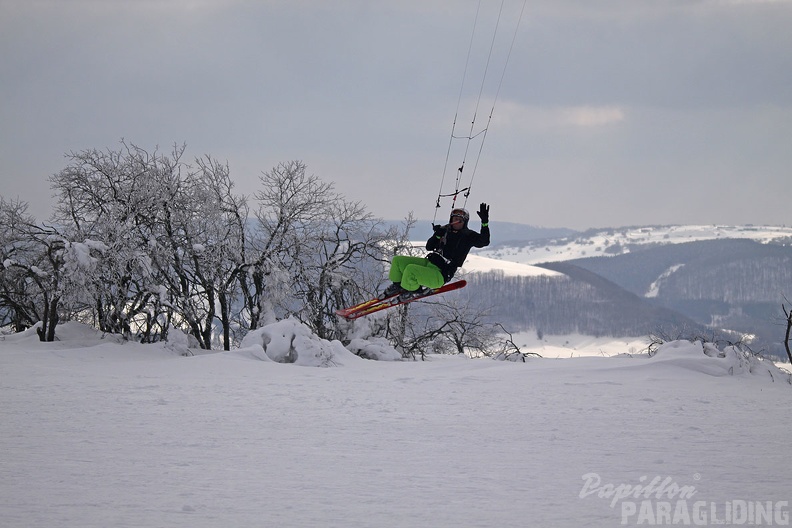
(439, 230)
(483, 213)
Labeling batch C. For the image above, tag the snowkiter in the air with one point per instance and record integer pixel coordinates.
(449, 246)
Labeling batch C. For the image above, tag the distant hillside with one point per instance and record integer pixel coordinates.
(574, 301)
(727, 279)
(730, 269)
(725, 284)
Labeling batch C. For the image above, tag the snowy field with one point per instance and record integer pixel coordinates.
(96, 433)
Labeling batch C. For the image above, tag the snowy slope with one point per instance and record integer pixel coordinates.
(95, 433)
(477, 263)
(606, 242)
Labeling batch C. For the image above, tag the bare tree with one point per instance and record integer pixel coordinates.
(290, 203)
(452, 325)
(315, 251)
(107, 197)
(213, 228)
(175, 238)
(230, 251)
(14, 308)
(41, 271)
(508, 349)
(27, 258)
(788, 314)
(197, 242)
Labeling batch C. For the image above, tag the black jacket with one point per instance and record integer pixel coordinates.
(449, 251)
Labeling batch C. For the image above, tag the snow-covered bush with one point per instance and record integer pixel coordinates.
(731, 360)
(377, 348)
(289, 341)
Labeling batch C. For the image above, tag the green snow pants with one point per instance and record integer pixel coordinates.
(413, 272)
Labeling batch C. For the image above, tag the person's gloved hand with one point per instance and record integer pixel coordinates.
(483, 213)
(439, 230)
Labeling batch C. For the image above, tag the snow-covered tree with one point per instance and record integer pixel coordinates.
(214, 248)
(106, 198)
(788, 315)
(314, 251)
(43, 272)
(18, 253)
(194, 234)
(342, 259)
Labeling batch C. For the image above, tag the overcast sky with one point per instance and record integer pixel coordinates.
(611, 112)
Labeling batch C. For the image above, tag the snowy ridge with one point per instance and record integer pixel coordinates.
(605, 242)
(477, 263)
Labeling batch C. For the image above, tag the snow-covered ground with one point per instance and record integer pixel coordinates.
(97, 433)
(577, 345)
(612, 241)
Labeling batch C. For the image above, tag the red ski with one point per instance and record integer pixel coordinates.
(375, 305)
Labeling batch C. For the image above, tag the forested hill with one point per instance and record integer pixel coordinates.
(730, 270)
(578, 301)
(674, 277)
